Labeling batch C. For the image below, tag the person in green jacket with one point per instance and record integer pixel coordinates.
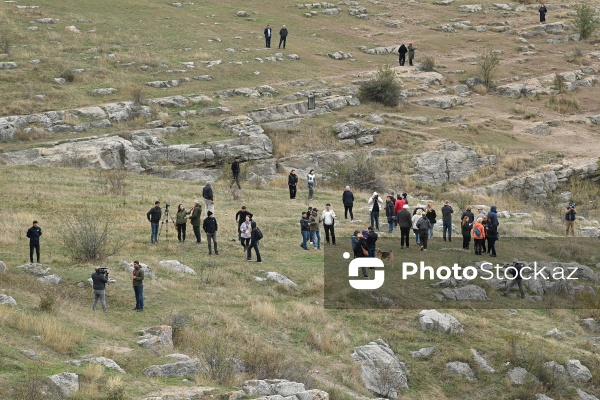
(194, 217)
(181, 221)
(138, 286)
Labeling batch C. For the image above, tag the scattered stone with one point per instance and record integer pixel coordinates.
(539, 129)
(176, 266)
(65, 384)
(556, 370)
(339, 55)
(468, 292)
(189, 368)
(49, 279)
(519, 376)
(443, 2)
(157, 338)
(470, 8)
(72, 29)
(8, 300)
(60, 81)
(107, 362)
(293, 56)
(482, 362)
(241, 14)
(585, 396)
(47, 21)
(29, 353)
(379, 364)
(461, 369)
(578, 372)
(555, 333)
(423, 353)
(8, 65)
(177, 356)
(280, 278)
(104, 91)
(590, 325)
(435, 321)
(352, 129)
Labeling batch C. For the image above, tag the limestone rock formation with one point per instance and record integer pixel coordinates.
(436, 321)
(176, 266)
(188, 368)
(461, 369)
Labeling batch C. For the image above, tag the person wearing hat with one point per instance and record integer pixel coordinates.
(411, 53)
(405, 223)
(515, 271)
(375, 204)
(283, 32)
(194, 217)
(207, 195)
(348, 201)
(210, 227)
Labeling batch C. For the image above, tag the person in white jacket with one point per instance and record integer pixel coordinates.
(375, 204)
(328, 217)
(415, 229)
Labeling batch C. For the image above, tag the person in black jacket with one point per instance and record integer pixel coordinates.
(542, 10)
(468, 213)
(210, 226)
(268, 33)
(431, 216)
(293, 183)
(283, 32)
(402, 50)
(348, 201)
(304, 231)
(34, 234)
(371, 242)
(447, 220)
(466, 226)
(389, 213)
(359, 248)
(235, 171)
(154, 216)
(207, 195)
(405, 223)
(240, 217)
(254, 244)
(99, 281)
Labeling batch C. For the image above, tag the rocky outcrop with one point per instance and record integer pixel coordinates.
(106, 362)
(176, 266)
(157, 338)
(323, 105)
(381, 370)
(189, 368)
(450, 163)
(8, 300)
(65, 384)
(435, 321)
(320, 160)
(443, 102)
(353, 129)
(466, 293)
(277, 277)
(578, 372)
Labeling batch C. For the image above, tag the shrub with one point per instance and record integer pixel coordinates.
(585, 21)
(6, 43)
(559, 83)
(381, 89)
(563, 105)
(362, 173)
(68, 75)
(113, 181)
(89, 237)
(428, 64)
(576, 57)
(487, 63)
(219, 357)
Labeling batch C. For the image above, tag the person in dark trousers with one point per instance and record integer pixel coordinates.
(210, 227)
(304, 231)
(431, 216)
(402, 50)
(447, 220)
(468, 213)
(411, 53)
(389, 213)
(478, 233)
(293, 184)
(154, 216)
(570, 216)
(491, 234)
(283, 32)
(181, 222)
(348, 201)
(405, 223)
(34, 234)
(254, 239)
(517, 278)
(138, 286)
(328, 217)
(235, 171)
(375, 204)
(311, 183)
(194, 217)
(268, 33)
(207, 195)
(423, 226)
(314, 223)
(466, 226)
(99, 282)
(240, 217)
(246, 232)
(371, 241)
(359, 248)
(542, 10)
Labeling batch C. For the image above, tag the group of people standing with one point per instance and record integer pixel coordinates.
(283, 33)
(403, 50)
(483, 228)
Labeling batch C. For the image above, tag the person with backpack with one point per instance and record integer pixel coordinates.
(515, 271)
(466, 226)
(405, 223)
(570, 216)
(348, 201)
(255, 236)
(423, 226)
(292, 184)
(389, 213)
(375, 204)
(304, 231)
(478, 232)
(328, 217)
(311, 182)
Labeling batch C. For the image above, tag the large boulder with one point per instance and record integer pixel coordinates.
(468, 292)
(65, 384)
(435, 321)
(157, 338)
(461, 369)
(381, 370)
(443, 102)
(189, 368)
(106, 362)
(578, 372)
(176, 266)
(452, 162)
(352, 129)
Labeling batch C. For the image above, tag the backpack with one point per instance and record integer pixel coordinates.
(477, 232)
(259, 234)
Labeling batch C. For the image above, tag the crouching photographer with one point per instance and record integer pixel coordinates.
(99, 280)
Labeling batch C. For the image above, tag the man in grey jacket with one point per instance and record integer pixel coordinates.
(99, 281)
(447, 220)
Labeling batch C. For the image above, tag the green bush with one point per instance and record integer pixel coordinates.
(487, 63)
(360, 174)
(585, 21)
(68, 75)
(428, 64)
(563, 105)
(559, 83)
(89, 237)
(382, 89)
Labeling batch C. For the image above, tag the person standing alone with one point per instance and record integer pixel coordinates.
(138, 286)
(447, 220)
(543, 10)
(154, 216)
(292, 183)
(283, 32)
(235, 171)
(311, 182)
(328, 223)
(570, 216)
(268, 32)
(34, 234)
(348, 201)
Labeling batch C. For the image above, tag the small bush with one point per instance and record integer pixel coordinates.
(559, 83)
(6, 43)
(382, 89)
(219, 357)
(113, 181)
(487, 63)
(586, 21)
(68, 75)
(576, 57)
(428, 64)
(361, 174)
(115, 388)
(89, 237)
(563, 105)
(47, 302)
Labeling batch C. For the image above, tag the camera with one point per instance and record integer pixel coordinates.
(103, 271)
(572, 205)
(167, 206)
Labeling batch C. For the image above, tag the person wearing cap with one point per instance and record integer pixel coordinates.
(328, 217)
(411, 53)
(283, 32)
(447, 220)
(314, 223)
(348, 201)
(194, 217)
(375, 204)
(405, 223)
(207, 195)
(517, 279)
(240, 218)
(210, 227)
(235, 171)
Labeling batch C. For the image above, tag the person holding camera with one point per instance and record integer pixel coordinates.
(138, 286)
(375, 204)
(570, 216)
(181, 221)
(154, 216)
(99, 281)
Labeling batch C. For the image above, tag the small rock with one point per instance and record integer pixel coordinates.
(519, 376)
(104, 91)
(578, 372)
(555, 333)
(423, 353)
(8, 300)
(461, 369)
(49, 279)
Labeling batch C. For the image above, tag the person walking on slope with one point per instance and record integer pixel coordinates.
(235, 172)
(255, 237)
(348, 201)
(246, 232)
(209, 200)
(181, 222)
(542, 10)
(423, 226)
(211, 227)
(415, 218)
